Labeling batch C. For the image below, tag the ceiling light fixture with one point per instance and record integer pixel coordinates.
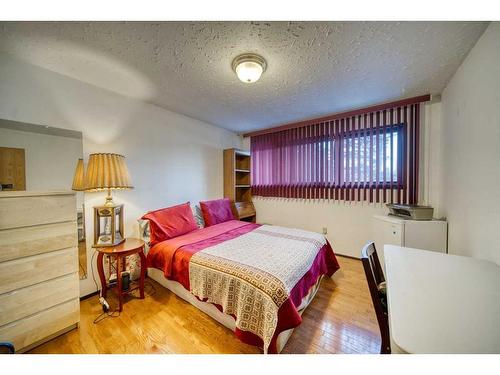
(249, 67)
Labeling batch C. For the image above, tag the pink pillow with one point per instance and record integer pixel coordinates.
(216, 211)
(170, 222)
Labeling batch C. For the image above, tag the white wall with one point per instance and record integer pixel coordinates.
(348, 223)
(171, 158)
(430, 176)
(50, 160)
(471, 151)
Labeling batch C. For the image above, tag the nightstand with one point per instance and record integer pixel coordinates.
(129, 247)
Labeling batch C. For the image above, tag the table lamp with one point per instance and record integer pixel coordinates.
(79, 177)
(107, 172)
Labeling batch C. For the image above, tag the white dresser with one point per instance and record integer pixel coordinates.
(420, 234)
(39, 283)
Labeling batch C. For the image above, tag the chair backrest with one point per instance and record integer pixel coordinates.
(375, 276)
(369, 252)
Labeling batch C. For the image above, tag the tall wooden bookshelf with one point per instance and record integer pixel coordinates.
(237, 186)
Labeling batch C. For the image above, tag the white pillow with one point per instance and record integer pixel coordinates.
(144, 231)
(198, 216)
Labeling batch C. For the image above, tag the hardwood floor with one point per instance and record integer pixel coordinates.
(339, 320)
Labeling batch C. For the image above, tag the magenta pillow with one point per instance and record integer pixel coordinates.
(170, 222)
(216, 211)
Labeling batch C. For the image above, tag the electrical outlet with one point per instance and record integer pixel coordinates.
(325, 230)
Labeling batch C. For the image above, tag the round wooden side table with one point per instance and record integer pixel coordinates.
(129, 247)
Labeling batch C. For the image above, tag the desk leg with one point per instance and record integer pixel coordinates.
(102, 276)
(119, 279)
(143, 273)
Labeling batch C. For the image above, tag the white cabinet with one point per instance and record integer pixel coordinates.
(391, 230)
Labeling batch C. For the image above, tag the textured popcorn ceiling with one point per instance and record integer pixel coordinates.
(314, 68)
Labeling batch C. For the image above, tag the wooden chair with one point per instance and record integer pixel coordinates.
(375, 277)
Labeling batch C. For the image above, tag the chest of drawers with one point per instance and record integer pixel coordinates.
(39, 283)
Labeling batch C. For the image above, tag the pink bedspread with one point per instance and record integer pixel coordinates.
(173, 256)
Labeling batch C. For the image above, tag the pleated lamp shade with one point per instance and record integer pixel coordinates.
(107, 171)
(79, 177)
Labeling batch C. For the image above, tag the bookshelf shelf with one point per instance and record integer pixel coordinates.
(237, 184)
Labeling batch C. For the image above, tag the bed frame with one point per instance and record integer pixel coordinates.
(226, 320)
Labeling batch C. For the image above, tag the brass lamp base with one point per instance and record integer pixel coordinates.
(109, 199)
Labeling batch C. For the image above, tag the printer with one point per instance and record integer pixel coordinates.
(410, 211)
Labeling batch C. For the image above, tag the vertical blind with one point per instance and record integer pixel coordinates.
(365, 157)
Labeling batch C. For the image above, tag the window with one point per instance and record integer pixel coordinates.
(371, 157)
(361, 166)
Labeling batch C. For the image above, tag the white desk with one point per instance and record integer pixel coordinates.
(441, 303)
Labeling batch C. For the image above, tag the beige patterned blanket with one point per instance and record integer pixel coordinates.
(251, 276)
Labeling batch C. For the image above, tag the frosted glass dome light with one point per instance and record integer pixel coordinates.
(249, 67)
(249, 71)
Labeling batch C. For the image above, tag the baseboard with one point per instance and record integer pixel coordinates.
(89, 295)
(347, 256)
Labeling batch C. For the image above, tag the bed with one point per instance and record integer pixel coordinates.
(254, 279)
